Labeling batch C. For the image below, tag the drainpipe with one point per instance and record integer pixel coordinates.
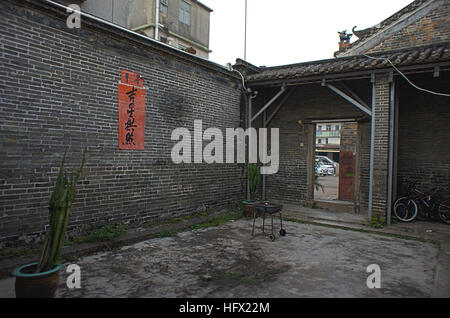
(250, 95)
(391, 153)
(249, 125)
(372, 148)
(395, 156)
(263, 192)
(157, 21)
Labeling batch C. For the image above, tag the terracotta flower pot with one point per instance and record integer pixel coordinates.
(36, 285)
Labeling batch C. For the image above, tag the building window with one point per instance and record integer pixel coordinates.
(185, 13)
(319, 141)
(338, 127)
(163, 6)
(328, 127)
(319, 127)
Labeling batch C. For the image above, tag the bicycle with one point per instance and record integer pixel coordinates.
(422, 205)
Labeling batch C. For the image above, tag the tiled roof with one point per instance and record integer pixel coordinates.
(366, 33)
(350, 64)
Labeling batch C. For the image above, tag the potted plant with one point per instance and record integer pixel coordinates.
(317, 174)
(40, 279)
(253, 181)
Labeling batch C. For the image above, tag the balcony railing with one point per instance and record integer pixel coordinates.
(328, 133)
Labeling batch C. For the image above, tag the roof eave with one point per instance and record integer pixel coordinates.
(333, 77)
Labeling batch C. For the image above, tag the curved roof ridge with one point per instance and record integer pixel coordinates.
(366, 33)
(416, 55)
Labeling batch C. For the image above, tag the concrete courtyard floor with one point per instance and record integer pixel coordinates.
(226, 261)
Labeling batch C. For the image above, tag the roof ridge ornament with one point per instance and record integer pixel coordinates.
(344, 39)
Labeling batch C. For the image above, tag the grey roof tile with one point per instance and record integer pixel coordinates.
(404, 57)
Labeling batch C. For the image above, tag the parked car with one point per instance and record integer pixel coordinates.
(324, 169)
(327, 161)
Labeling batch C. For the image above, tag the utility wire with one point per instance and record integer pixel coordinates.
(231, 69)
(243, 80)
(407, 79)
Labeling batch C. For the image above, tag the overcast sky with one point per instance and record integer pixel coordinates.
(289, 31)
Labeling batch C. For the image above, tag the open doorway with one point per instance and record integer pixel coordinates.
(335, 161)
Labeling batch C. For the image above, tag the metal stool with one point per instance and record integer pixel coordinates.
(268, 208)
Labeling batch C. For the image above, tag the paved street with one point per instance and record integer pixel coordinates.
(225, 261)
(330, 188)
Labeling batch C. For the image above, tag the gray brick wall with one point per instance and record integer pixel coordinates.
(430, 29)
(381, 143)
(58, 90)
(423, 152)
(349, 137)
(364, 131)
(311, 101)
(424, 135)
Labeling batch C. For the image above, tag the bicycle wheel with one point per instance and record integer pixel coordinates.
(444, 211)
(405, 209)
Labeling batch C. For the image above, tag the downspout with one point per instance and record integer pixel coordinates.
(250, 95)
(391, 153)
(249, 125)
(395, 157)
(372, 148)
(157, 21)
(263, 192)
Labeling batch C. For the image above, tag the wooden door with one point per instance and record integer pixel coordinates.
(346, 175)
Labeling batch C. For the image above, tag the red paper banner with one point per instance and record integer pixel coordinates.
(131, 78)
(131, 112)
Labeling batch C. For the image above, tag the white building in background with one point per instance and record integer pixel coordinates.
(183, 24)
(328, 139)
(328, 134)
